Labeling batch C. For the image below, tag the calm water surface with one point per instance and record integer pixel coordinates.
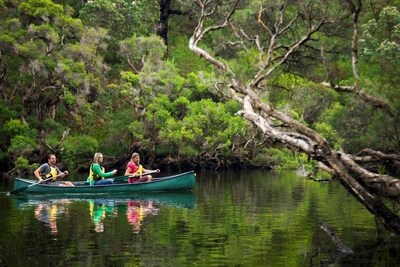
(255, 218)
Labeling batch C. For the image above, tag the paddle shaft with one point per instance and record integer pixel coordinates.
(135, 175)
(143, 174)
(21, 189)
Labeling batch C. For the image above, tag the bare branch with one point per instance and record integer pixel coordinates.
(374, 101)
(261, 10)
(384, 184)
(267, 129)
(200, 32)
(373, 155)
(263, 73)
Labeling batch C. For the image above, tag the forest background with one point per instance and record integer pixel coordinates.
(118, 76)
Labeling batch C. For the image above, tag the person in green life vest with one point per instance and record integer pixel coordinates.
(97, 174)
(50, 170)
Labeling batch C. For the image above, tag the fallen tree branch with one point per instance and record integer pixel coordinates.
(374, 101)
(335, 238)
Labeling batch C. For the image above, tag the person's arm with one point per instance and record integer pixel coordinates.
(131, 168)
(37, 174)
(42, 170)
(63, 174)
(97, 170)
(128, 171)
(146, 170)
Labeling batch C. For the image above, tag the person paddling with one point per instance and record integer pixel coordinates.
(97, 173)
(134, 168)
(49, 170)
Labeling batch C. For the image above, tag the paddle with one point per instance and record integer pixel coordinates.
(122, 178)
(21, 189)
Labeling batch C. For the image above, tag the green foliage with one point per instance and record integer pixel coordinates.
(244, 64)
(21, 140)
(22, 165)
(137, 131)
(182, 56)
(282, 159)
(78, 149)
(130, 77)
(69, 98)
(108, 80)
(122, 18)
(15, 127)
(196, 127)
(6, 114)
(381, 37)
(159, 111)
(21, 144)
(45, 31)
(101, 13)
(194, 88)
(41, 8)
(329, 133)
(2, 5)
(146, 50)
(380, 134)
(379, 50)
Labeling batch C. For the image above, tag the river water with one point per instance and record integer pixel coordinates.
(253, 218)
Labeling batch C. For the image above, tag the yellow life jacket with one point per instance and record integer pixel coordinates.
(53, 173)
(139, 170)
(53, 212)
(95, 177)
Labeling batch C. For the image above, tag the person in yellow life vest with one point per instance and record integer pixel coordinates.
(133, 167)
(50, 170)
(97, 174)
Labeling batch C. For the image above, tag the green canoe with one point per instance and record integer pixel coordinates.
(180, 182)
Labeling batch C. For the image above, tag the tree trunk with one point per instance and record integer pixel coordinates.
(162, 28)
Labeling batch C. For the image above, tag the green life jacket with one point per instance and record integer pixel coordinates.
(93, 176)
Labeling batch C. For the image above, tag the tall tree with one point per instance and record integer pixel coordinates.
(279, 36)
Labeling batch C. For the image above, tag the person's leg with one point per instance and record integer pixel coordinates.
(105, 181)
(146, 178)
(132, 180)
(67, 183)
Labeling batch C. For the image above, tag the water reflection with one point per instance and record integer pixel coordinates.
(98, 209)
(137, 211)
(49, 209)
(232, 219)
(47, 212)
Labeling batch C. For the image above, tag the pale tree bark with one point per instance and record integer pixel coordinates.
(366, 186)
